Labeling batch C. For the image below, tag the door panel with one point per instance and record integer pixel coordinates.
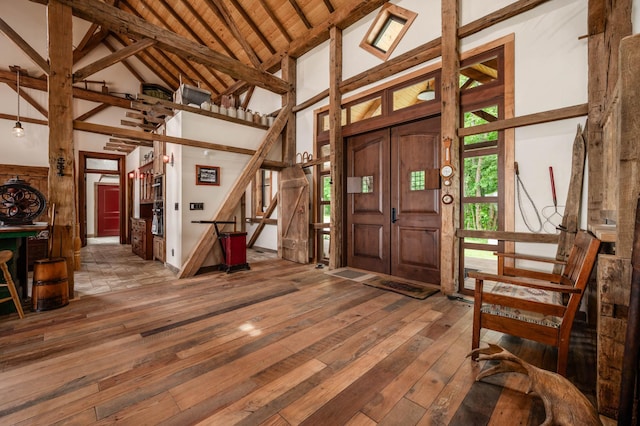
(108, 214)
(415, 234)
(293, 225)
(368, 212)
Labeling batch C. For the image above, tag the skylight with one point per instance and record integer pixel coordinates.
(387, 30)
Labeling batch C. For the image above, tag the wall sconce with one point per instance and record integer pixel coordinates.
(60, 166)
(132, 175)
(165, 158)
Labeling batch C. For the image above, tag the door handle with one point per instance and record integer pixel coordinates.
(394, 217)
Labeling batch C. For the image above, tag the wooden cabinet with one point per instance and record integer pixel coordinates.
(141, 238)
(146, 183)
(158, 248)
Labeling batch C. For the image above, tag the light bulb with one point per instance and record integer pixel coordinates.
(17, 130)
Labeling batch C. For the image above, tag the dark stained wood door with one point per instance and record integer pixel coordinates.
(108, 211)
(368, 212)
(393, 210)
(415, 201)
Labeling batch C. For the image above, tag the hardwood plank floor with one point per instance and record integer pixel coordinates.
(281, 344)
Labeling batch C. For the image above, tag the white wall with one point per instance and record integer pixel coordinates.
(550, 72)
(182, 235)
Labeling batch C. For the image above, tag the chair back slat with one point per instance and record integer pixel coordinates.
(577, 271)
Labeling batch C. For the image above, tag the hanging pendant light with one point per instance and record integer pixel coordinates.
(17, 130)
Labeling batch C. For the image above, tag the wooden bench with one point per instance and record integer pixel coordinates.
(533, 307)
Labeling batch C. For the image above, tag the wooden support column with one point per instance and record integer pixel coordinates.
(608, 22)
(62, 189)
(336, 256)
(289, 135)
(449, 245)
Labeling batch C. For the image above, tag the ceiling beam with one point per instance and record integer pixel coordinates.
(42, 110)
(78, 93)
(24, 46)
(221, 11)
(300, 13)
(87, 115)
(88, 46)
(126, 63)
(341, 18)
(276, 21)
(253, 26)
(210, 30)
(112, 59)
(120, 21)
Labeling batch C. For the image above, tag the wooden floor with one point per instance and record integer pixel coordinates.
(281, 344)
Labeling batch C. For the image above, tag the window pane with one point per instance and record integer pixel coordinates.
(367, 109)
(479, 73)
(477, 117)
(367, 184)
(389, 32)
(325, 150)
(478, 260)
(325, 120)
(414, 94)
(326, 213)
(326, 242)
(102, 164)
(417, 181)
(481, 176)
(326, 188)
(481, 216)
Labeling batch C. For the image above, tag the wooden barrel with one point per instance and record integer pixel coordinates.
(50, 285)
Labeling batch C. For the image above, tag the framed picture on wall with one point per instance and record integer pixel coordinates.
(207, 175)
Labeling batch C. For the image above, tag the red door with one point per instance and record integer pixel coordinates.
(108, 210)
(393, 210)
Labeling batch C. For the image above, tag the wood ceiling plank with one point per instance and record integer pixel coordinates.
(112, 59)
(253, 26)
(196, 37)
(223, 14)
(276, 21)
(208, 28)
(300, 13)
(343, 17)
(120, 21)
(330, 7)
(200, 78)
(24, 46)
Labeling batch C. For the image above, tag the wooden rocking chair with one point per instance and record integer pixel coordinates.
(533, 308)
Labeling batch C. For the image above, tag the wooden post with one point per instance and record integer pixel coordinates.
(289, 98)
(336, 248)
(449, 244)
(608, 22)
(61, 149)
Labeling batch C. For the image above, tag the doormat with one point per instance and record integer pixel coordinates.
(407, 289)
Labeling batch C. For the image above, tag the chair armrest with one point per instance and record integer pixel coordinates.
(525, 282)
(529, 257)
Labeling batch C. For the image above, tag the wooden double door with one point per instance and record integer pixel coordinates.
(393, 205)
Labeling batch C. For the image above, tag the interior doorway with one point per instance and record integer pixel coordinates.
(101, 197)
(393, 205)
